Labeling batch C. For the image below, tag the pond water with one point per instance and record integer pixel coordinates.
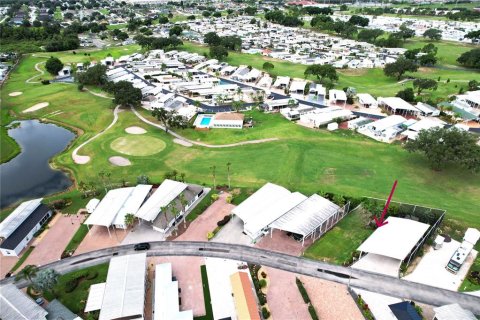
(29, 175)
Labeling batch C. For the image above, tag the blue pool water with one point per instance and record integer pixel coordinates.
(205, 121)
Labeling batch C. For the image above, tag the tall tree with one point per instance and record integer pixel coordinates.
(129, 219)
(169, 119)
(125, 94)
(214, 175)
(229, 164)
(470, 59)
(45, 280)
(433, 34)
(400, 67)
(53, 65)
(424, 84)
(27, 273)
(322, 72)
(218, 52)
(443, 146)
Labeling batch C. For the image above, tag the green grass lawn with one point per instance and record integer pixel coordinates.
(339, 243)
(8, 147)
(138, 145)
(206, 296)
(116, 26)
(75, 300)
(468, 285)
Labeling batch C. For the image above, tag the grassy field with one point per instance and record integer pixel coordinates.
(116, 26)
(340, 242)
(9, 148)
(372, 81)
(303, 159)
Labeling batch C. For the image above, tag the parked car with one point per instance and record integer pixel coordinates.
(39, 301)
(142, 246)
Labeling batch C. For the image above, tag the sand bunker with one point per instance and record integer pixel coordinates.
(119, 161)
(81, 159)
(182, 142)
(135, 130)
(36, 107)
(15, 94)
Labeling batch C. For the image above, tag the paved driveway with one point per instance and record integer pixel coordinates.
(98, 238)
(143, 233)
(6, 264)
(232, 232)
(50, 245)
(207, 221)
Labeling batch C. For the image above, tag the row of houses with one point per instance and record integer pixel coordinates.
(295, 44)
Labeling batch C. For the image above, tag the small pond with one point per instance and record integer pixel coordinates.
(29, 174)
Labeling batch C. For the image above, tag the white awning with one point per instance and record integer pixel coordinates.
(307, 216)
(132, 203)
(165, 194)
(395, 239)
(125, 287)
(95, 297)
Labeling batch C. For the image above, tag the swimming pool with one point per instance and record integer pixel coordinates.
(203, 121)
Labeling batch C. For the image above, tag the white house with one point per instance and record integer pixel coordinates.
(335, 96)
(272, 105)
(397, 105)
(18, 228)
(229, 120)
(424, 124)
(384, 129)
(366, 100)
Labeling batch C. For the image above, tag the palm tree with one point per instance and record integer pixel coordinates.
(27, 273)
(214, 176)
(182, 176)
(174, 174)
(228, 173)
(174, 210)
(129, 219)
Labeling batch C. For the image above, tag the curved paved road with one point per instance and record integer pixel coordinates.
(359, 279)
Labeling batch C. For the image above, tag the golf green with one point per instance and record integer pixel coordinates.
(138, 145)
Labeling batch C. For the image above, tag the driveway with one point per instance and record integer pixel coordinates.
(99, 238)
(232, 232)
(6, 264)
(143, 232)
(207, 221)
(187, 272)
(50, 245)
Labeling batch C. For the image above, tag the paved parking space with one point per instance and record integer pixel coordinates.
(331, 300)
(232, 232)
(431, 268)
(187, 272)
(283, 297)
(50, 245)
(280, 242)
(143, 232)
(6, 264)
(98, 238)
(207, 221)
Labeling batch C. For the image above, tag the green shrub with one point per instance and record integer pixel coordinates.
(262, 283)
(45, 81)
(313, 312)
(265, 313)
(224, 221)
(71, 285)
(302, 290)
(91, 275)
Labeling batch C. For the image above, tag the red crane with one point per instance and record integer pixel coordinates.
(380, 222)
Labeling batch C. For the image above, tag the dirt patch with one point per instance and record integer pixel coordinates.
(36, 107)
(182, 142)
(15, 94)
(135, 130)
(119, 161)
(354, 72)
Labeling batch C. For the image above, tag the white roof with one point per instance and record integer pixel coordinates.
(259, 202)
(472, 235)
(397, 103)
(16, 305)
(18, 216)
(366, 98)
(92, 204)
(387, 122)
(306, 216)
(425, 124)
(125, 287)
(95, 297)
(165, 194)
(335, 94)
(395, 239)
(116, 204)
(297, 85)
(281, 81)
(166, 304)
(425, 107)
(453, 311)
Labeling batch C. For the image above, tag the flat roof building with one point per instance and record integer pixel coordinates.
(16, 305)
(18, 228)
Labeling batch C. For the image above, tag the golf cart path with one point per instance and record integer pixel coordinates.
(176, 135)
(38, 75)
(79, 159)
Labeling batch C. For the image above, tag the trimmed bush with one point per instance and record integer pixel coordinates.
(262, 283)
(265, 313)
(264, 275)
(45, 81)
(313, 312)
(71, 285)
(224, 221)
(302, 290)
